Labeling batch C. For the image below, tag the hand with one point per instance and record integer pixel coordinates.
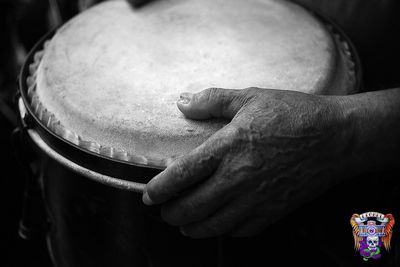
(280, 149)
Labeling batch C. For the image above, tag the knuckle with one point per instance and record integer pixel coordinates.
(252, 91)
(180, 169)
(235, 130)
(237, 134)
(210, 94)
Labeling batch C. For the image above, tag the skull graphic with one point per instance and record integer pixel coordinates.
(372, 242)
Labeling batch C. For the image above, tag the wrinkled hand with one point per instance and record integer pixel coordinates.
(280, 149)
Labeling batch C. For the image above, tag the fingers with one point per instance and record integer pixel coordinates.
(192, 207)
(222, 222)
(231, 220)
(181, 174)
(212, 103)
(250, 227)
(201, 201)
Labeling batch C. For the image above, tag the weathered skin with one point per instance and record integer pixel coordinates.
(280, 149)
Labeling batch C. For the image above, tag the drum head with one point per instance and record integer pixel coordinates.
(109, 79)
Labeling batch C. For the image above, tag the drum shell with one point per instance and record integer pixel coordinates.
(91, 224)
(94, 224)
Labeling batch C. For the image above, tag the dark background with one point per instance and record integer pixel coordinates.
(321, 226)
(22, 23)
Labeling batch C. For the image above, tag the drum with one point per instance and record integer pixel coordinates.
(97, 103)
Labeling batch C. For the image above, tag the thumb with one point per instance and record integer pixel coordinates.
(212, 103)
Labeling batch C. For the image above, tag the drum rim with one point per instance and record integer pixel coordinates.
(89, 159)
(114, 166)
(336, 29)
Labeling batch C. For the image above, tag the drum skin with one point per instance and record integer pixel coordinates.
(111, 76)
(91, 224)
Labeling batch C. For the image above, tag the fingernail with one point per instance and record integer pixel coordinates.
(146, 199)
(183, 231)
(185, 98)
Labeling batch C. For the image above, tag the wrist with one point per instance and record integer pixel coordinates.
(372, 129)
(343, 118)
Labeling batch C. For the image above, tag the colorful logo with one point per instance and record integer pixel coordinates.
(370, 231)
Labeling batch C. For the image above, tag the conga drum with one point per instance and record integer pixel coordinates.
(97, 102)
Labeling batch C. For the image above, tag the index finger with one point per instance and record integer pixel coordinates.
(181, 174)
